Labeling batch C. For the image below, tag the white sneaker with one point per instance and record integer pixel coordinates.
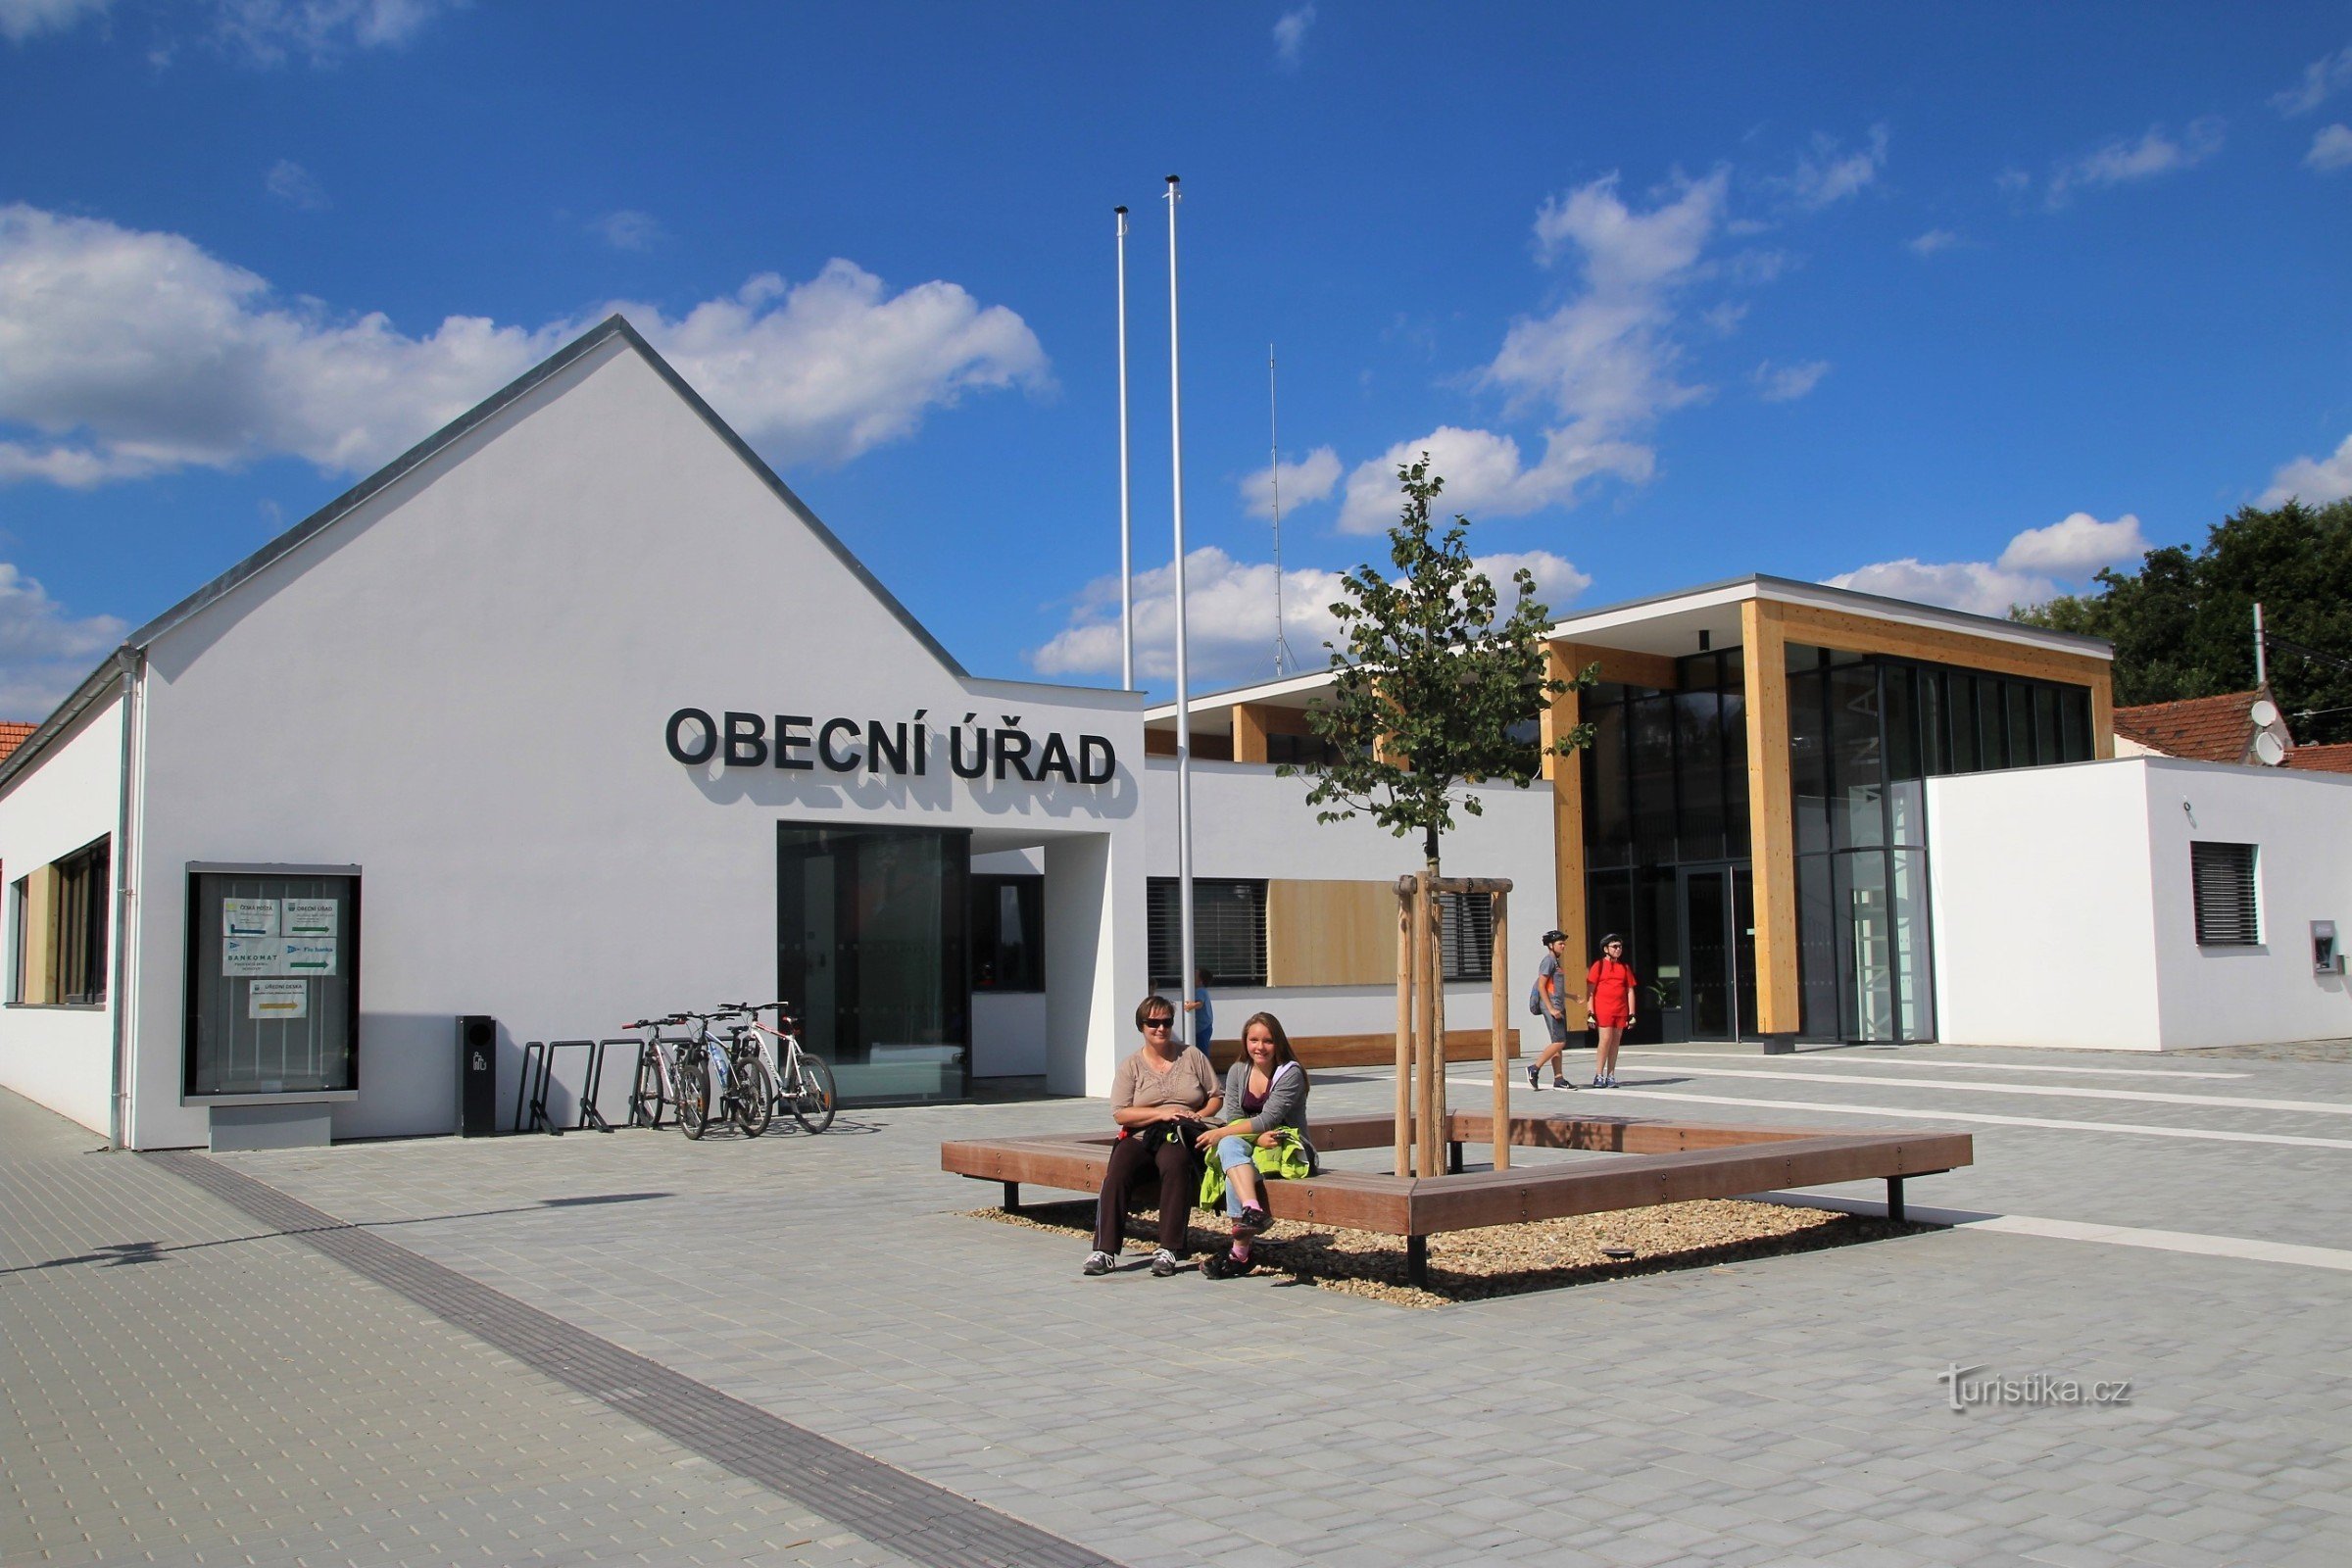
(1096, 1263)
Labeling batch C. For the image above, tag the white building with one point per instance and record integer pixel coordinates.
(575, 715)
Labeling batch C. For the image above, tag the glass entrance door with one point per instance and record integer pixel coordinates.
(1716, 904)
(870, 937)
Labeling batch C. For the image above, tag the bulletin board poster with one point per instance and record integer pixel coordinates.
(307, 917)
(278, 999)
(247, 917)
(307, 955)
(241, 956)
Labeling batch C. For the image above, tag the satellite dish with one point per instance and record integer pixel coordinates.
(2264, 713)
(2268, 748)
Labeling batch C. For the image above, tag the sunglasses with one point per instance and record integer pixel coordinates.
(1159, 1023)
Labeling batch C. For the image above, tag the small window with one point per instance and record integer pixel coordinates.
(1008, 927)
(60, 921)
(2223, 881)
(1229, 931)
(1468, 936)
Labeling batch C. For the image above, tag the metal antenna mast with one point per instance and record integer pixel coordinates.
(1284, 661)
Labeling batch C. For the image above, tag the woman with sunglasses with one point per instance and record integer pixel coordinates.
(1161, 1098)
(1611, 988)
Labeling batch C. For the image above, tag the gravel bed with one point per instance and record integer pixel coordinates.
(1502, 1259)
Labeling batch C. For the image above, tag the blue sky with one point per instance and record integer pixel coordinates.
(1957, 302)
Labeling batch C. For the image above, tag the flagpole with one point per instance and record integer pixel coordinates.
(1126, 536)
(1184, 695)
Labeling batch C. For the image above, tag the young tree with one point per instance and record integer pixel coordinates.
(1432, 682)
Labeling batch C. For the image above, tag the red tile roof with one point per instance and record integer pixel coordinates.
(2322, 758)
(12, 736)
(2210, 729)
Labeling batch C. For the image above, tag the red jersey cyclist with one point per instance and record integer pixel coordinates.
(1611, 988)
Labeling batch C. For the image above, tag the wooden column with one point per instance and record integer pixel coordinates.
(1248, 733)
(1432, 1113)
(1771, 815)
(2102, 714)
(1567, 777)
(1408, 944)
(1500, 969)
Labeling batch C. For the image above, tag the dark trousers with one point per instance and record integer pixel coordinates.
(1171, 1162)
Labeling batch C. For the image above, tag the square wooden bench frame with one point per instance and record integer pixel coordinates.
(1660, 1162)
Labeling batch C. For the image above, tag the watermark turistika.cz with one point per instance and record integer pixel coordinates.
(1965, 1391)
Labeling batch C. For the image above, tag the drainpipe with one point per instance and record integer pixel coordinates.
(117, 1132)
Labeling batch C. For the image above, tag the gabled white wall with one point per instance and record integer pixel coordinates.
(60, 1057)
(1250, 822)
(463, 688)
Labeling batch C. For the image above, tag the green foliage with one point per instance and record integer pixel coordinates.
(1431, 682)
(2182, 624)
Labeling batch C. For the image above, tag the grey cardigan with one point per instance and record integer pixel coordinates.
(1285, 1101)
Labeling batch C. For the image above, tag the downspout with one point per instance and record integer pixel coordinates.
(117, 1132)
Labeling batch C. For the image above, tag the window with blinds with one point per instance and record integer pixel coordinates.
(2221, 878)
(1468, 936)
(1229, 932)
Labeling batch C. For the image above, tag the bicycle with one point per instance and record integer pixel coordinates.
(803, 1079)
(722, 1079)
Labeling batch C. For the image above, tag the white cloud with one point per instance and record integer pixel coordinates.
(44, 654)
(289, 181)
(2330, 149)
(2320, 79)
(1932, 241)
(2038, 564)
(1724, 320)
(269, 32)
(1309, 479)
(1484, 475)
(1229, 616)
(2123, 162)
(627, 229)
(134, 353)
(1290, 34)
(1828, 173)
(2075, 547)
(21, 20)
(1786, 384)
(2315, 480)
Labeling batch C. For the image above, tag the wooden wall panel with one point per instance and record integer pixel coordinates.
(1331, 933)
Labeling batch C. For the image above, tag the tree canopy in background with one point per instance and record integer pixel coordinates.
(2182, 625)
(1433, 683)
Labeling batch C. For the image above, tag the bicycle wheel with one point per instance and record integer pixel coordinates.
(755, 1095)
(808, 1092)
(694, 1096)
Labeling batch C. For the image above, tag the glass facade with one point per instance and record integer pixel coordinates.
(1666, 846)
(1667, 841)
(1863, 735)
(871, 937)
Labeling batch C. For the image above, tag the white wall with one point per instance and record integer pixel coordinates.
(2064, 913)
(2301, 825)
(60, 1057)
(1248, 821)
(2038, 895)
(463, 689)
(1009, 1034)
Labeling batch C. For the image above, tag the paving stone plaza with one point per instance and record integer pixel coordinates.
(636, 1349)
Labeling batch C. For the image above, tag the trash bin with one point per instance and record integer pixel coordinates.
(477, 1075)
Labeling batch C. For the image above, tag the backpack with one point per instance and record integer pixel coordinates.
(1535, 998)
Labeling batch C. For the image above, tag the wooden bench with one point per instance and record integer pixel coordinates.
(1653, 1162)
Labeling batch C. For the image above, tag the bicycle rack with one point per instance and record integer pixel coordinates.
(533, 1053)
(650, 1092)
(590, 1118)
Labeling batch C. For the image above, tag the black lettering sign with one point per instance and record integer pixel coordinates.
(745, 748)
(708, 743)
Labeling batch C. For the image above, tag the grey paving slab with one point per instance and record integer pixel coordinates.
(1778, 1410)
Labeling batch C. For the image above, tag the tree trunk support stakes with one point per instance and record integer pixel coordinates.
(1421, 1114)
